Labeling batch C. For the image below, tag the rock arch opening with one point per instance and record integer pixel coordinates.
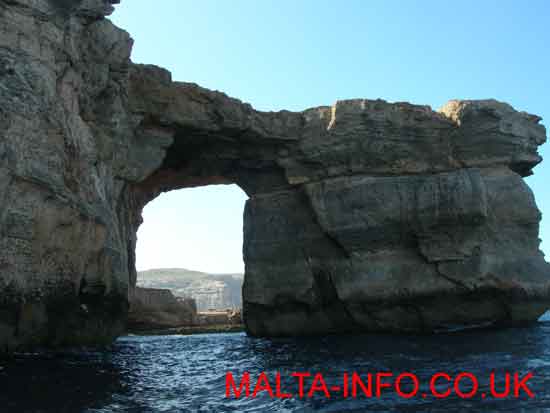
(194, 228)
(189, 261)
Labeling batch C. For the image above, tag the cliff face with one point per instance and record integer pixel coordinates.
(362, 216)
(210, 291)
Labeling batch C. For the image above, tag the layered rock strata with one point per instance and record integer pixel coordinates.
(363, 216)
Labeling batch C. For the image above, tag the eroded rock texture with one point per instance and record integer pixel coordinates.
(363, 216)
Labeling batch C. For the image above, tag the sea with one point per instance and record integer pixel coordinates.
(190, 374)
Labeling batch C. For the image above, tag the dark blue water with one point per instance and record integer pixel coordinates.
(187, 373)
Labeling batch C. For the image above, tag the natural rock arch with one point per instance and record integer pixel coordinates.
(363, 216)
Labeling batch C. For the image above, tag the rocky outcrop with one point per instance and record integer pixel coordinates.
(152, 309)
(363, 216)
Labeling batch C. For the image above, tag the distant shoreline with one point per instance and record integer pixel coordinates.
(190, 330)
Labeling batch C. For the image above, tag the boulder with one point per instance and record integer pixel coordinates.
(152, 309)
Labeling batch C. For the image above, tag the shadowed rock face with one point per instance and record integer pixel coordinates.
(154, 308)
(363, 216)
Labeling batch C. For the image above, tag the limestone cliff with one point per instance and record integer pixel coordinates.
(363, 216)
(210, 291)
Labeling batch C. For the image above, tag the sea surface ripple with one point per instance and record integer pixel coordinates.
(187, 373)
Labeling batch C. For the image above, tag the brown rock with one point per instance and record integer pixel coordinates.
(152, 308)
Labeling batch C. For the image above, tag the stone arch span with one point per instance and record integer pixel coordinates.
(363, 216)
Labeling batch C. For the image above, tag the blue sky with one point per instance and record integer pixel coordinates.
(297, 54)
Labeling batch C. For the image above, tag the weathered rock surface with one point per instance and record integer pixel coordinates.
(363, 216)
(210, 291)
(153, 308)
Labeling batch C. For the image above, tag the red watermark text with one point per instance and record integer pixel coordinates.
(406, 385)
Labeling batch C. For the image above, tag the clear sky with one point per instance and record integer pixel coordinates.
(295, 54)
